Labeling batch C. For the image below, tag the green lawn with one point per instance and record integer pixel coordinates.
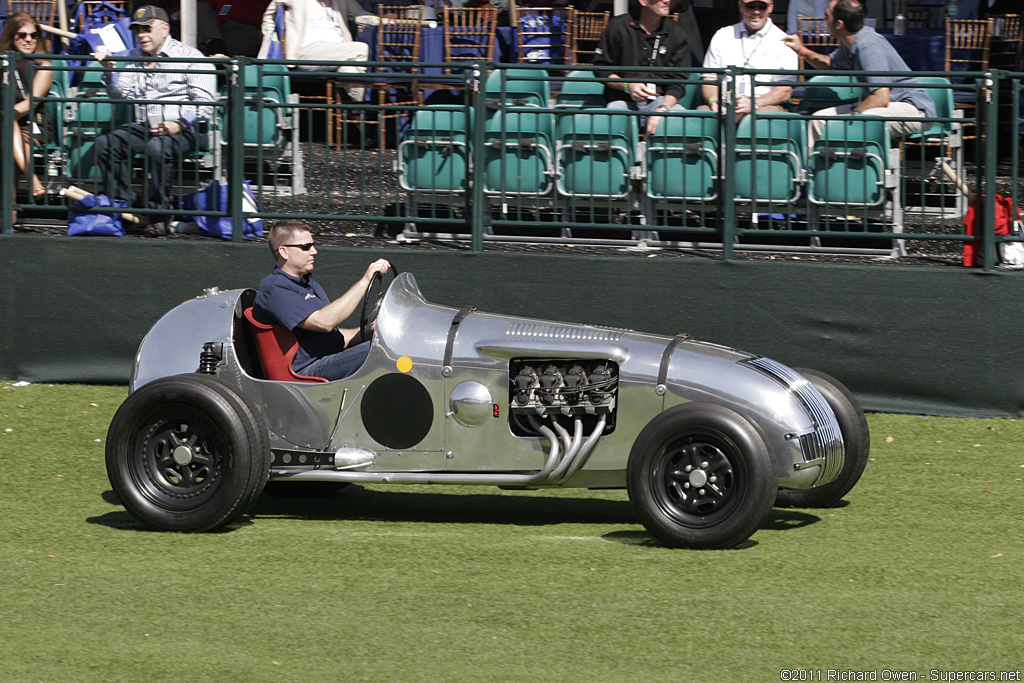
(922, 570)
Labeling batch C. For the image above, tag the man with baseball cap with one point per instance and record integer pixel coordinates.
(755, 42)
(163, 132)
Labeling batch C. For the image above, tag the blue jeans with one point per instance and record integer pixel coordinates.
(648, 107)
(338, 365)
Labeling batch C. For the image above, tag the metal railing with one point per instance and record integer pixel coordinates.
(515, 158)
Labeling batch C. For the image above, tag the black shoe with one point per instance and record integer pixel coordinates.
(158, 229)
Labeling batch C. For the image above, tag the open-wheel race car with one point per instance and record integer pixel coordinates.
(706, 439)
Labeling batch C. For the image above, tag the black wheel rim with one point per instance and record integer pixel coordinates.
(179, 458)
(698, 478)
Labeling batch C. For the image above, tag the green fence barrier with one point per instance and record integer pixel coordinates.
(518, 155)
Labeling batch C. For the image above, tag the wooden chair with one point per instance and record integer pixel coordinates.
(918, 15)
(968, 42)
(468, 37)
(1007, 42)
(587, 28)
(398, 44)
(43, 11)
(1007, 47)
(545, 34)
(93, 12)
(814, 32)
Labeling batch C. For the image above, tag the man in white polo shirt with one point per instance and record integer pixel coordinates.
(753, 43)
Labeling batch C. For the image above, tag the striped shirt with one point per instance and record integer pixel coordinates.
(174, 81)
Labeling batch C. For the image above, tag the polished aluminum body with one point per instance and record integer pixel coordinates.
(408, 417)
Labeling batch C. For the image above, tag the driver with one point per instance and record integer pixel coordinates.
(290, 297)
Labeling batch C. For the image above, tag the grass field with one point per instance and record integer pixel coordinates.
(921, 571)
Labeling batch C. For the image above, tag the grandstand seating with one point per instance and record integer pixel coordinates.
(553, 156)
(270, 131)
(938, 139)
(520, 144)
(683, 159)
(595, 153)
(88, 114)
(580, 90)
(434, 156)
(849, 162)
(824, 92)
(769, 159)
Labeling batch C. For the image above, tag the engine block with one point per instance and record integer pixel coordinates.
(566, 386)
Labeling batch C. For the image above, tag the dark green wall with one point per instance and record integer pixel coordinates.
(905, 339)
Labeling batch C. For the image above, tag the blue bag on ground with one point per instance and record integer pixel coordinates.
(95, 223)
(213, 196)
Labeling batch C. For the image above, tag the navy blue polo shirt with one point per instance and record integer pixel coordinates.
(287, 301)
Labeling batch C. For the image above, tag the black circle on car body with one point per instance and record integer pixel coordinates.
(397, 411)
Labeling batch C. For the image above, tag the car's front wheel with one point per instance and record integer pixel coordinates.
(186, 453)
(856, 445)
(700, 476)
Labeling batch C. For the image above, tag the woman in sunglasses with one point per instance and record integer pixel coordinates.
(32, 80)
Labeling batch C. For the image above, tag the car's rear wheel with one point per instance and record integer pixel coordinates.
(186, 453)
(700, 476)
(856, 445)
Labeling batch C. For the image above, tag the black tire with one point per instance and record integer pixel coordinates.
(700, 476)
(186, 453)
(856, 442)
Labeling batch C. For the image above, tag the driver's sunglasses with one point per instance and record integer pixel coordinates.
(756, 6)
(305, 246)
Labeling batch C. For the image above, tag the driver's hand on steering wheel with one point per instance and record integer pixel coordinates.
(379, 266)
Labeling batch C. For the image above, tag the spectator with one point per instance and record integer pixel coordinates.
(22, 35)
(290, 297)
(803, 8)
(317, 30)
(753, 43)
(230, 27)
(650, 40)
(163, 132)
(862, 49)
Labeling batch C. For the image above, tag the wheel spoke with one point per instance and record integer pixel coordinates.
(696, 477)
(174, 475)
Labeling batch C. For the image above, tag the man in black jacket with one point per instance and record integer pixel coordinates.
(651, 39)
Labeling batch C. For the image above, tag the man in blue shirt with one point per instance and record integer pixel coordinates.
(862, 49)
(290, 297)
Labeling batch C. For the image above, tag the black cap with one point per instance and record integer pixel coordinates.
(147, 14)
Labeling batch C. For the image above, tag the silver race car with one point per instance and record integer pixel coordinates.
(706, 439)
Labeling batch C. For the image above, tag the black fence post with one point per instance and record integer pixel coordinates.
(478, 213)
(988, 132)
(727, 96)
(236, 134)
(7, 100)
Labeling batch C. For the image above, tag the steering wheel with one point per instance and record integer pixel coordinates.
(367, 315)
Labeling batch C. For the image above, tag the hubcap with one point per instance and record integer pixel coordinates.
(179, 458)
(694, 482)
(182, 455)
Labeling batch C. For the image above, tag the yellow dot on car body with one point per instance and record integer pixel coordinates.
(404, 364)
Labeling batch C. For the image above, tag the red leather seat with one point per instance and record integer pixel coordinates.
(276, 348)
